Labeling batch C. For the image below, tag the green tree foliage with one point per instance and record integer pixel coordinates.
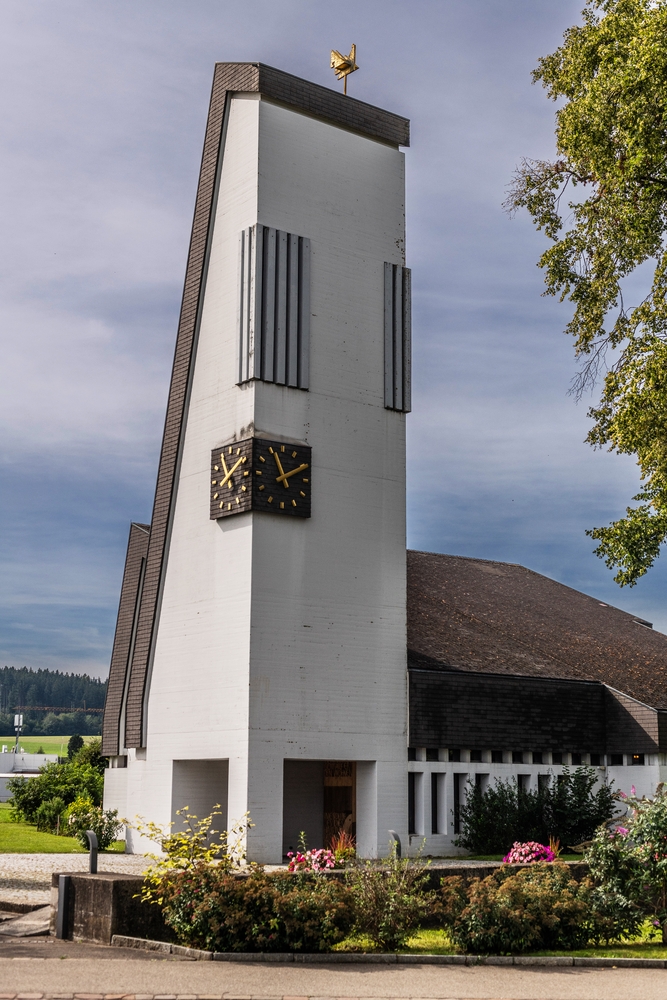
(569, 809)
(74, 745)
(610, 77)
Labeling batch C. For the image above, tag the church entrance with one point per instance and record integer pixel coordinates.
(340, 799)
(319, 801)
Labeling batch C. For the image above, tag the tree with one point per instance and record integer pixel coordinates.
(75, 744)
(611, 140)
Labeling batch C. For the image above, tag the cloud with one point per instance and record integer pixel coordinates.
(103, 108)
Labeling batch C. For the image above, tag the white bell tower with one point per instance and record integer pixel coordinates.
(260, 652)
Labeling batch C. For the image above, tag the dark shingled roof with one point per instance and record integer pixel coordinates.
(483, 616)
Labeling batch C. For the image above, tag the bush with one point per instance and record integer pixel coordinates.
(568, 809)
(82, 815)
(540, 907)
(209, 907)
(48, 815)
(631, 861)
(65, 782)
(390, 899)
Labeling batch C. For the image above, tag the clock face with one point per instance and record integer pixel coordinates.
(261, 475)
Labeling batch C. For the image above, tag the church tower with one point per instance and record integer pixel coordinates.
(260, 652)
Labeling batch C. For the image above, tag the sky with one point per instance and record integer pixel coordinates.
(102, 108)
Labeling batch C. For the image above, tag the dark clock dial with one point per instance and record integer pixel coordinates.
(261, 475)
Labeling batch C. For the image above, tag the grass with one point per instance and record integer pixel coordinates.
(499, 857)
(24, 838)
(428, 941)
(49, 744)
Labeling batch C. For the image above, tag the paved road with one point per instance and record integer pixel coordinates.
(48, 968)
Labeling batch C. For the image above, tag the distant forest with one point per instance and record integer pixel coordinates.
(49, 697)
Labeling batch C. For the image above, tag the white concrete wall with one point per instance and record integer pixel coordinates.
(281, 637)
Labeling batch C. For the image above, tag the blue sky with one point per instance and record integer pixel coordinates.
(103, 107)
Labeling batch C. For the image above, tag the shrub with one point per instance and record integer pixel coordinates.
(390, 899)
(568, 809)
(48, 815)
(82, 815)
(66, 782)
(210, 907)
(528, 853)
(631, 861)
(539, 907)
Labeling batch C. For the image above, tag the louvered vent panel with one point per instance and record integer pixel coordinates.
(274, 313)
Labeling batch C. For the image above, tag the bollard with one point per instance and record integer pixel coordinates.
(92, 842)
(63, 906)
(394, 838)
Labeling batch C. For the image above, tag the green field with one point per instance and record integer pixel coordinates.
(49, 744)
(24, 838)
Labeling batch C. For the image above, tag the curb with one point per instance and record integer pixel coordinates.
(352, 957)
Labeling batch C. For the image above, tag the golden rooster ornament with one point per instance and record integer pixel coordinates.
(344, 65)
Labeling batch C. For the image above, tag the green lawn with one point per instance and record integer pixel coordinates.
(49, 744)
(24, 838)
(435, 942)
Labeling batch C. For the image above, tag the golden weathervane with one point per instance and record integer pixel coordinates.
(344, 65)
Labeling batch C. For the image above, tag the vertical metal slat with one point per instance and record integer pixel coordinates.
(388, 336)
(243, 311)
(269, 305)
(292, 345)
(303, 377)
(255, 304)
(398, 337)
(281, 308)
(407, 339)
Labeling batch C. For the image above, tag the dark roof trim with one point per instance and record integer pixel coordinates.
(517, 677)
(128, 608)
(321, 102)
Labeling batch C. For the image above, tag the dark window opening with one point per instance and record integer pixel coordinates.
(481, 782)
(455, 756)
(434, 804)
(537, 757)
(556, 758)
(476, 756)
(638, 758)
(576, 759)
(542, 781)
(412, 811)
(616, 759)
(412, 753)
(517, 756)
(523, 781)
(595, 760)
(458, 778)
(496, 756)
(431, 753)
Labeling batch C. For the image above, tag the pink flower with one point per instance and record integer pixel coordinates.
(528, 853)
(622, 830)
(633, 790)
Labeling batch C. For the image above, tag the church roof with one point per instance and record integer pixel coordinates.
(493, 617)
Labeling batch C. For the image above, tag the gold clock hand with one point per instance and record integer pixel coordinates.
(281, 477)
(229, 472)
(285, 475)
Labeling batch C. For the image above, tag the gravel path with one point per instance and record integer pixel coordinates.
(26, 878)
